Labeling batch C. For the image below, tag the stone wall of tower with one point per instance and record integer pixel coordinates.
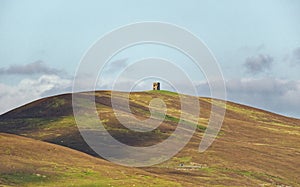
(156, 86)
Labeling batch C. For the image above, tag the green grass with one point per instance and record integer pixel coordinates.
(182, 160)
(82, 178)
(201, 128)
(166, 92)
(177, 120)
(172, 119)
(22, 178)
(63, 122)
(140, 111)
(39, 123)
(57, 102)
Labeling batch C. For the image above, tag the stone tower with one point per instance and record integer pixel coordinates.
(156, 86)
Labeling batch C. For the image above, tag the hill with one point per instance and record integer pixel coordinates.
(253, 148)
(28, 162)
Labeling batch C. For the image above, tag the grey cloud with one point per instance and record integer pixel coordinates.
(277, 95)
(38, 67)
(259, 63)
(246, 49)
(116, 66)
(265, 86)
(296, 55)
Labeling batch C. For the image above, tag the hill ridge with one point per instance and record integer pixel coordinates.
(68, 96)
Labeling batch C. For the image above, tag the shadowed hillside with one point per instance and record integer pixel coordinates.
(253, 148)
(30, 162)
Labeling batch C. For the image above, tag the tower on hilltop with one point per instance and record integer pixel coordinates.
(156, 86)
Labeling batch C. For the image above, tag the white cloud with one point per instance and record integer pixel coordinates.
(28, 90)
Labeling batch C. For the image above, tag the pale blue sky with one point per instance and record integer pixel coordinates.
(58, 33)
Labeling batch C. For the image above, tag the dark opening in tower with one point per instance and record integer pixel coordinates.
(156, 86)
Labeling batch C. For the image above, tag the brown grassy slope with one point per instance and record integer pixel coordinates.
(254, 147)
(28, 162)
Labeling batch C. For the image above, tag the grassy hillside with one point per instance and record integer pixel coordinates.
(28, 162)
(254, 147)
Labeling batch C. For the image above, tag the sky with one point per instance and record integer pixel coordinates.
(256, 43)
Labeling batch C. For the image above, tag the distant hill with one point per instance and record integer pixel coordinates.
(253, 148)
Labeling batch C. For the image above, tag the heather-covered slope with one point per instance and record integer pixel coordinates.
(253, 148)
